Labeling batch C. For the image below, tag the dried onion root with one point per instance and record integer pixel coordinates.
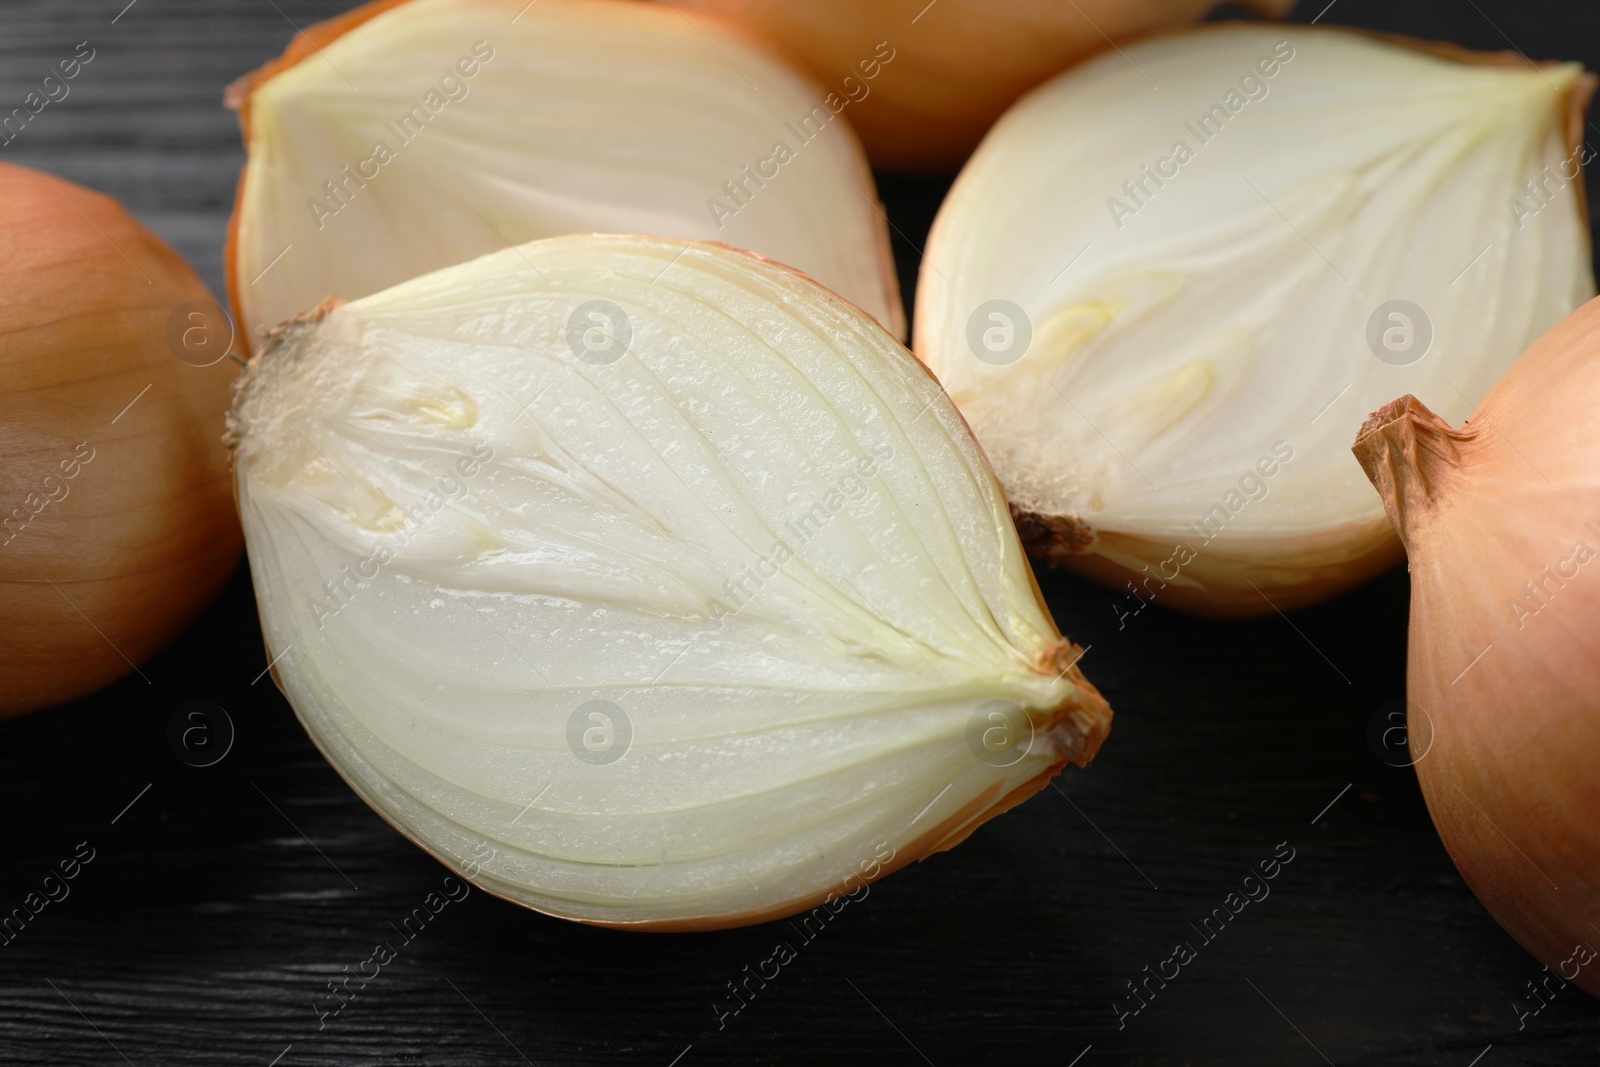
(646, 581)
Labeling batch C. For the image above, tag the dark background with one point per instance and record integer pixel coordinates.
(210, 919)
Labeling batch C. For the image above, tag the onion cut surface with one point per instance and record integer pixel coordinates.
(405, 137)
(1206, 328)
(742, 516)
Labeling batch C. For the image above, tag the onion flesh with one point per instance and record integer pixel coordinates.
(418, 135)
(1188, 363)
(753, 529)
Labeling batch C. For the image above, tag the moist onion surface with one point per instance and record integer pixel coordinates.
(740, 517)
(1178, 315)
(421, 134)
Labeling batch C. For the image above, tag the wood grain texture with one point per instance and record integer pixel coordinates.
(220, 904)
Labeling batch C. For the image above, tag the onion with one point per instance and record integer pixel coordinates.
(1501, 523)
(116, 520)
(401, 138)
(1166, 370)
(646, 582)
(922, 82)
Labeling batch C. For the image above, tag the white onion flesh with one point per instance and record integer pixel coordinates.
(773, 750)
(586, 116)
(1174, 345)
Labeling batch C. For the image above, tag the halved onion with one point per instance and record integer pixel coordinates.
(405, 137)
(1165, 313)
(647, 582)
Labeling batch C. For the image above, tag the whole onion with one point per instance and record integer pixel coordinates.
(116, 519)
(1501, 521)
(952, 66)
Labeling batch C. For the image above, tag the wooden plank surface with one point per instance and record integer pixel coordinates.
(218, 905)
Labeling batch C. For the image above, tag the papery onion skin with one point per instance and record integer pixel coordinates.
(826, 722)
(113, 476)
(1501, 522)
(956, 64)
(670, 128)
(1155, 378)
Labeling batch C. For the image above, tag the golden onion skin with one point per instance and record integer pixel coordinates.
(1286, 575)
(114, 482)
(1500, 522)
(952, 68)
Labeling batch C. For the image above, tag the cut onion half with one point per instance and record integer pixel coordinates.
(646, 582)
(1172, 282)
(405, 137)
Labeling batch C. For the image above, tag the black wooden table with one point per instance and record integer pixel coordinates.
(220, 901)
